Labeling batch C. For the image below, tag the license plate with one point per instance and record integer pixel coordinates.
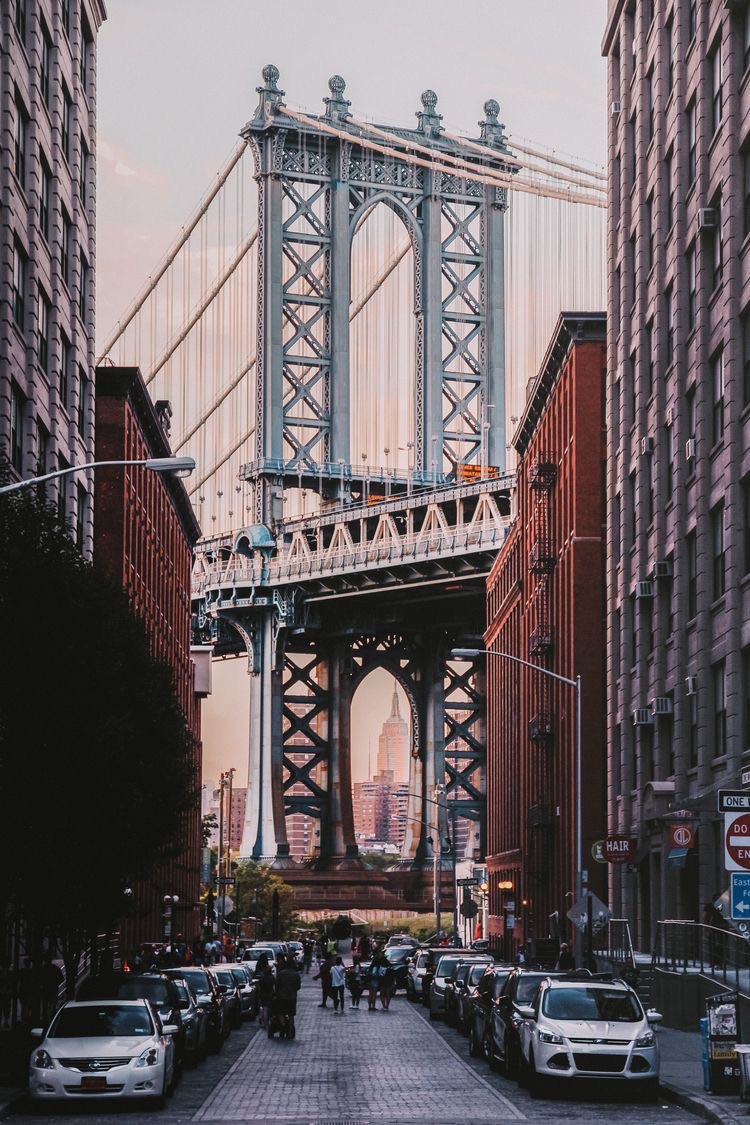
(98, 1082)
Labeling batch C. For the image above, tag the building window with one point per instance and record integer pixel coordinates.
(631, 513)
(20, 20)
(648, 473)
(650, 11)
(648, 359)
(717, 93)
(692, 701)
(633, 270)
(650, 104)
(44, 64)
(62, 490)
(65, 16)
(616, 192)
(42, 448)
(19, 286)
(745, 700)
(646, 741)
(87, 49)
(67, 123)
(669, 317)
(668, 182)
(745, 485)
(692, 138)
(43, 319)
(692, 278)
(718, 550)
(666, 745)
(649, 233)
(20, 137)
(633, 153)
(717, 247)
(720, 709)
(746, 36)
(692, 572)
(669, 53)
(616, 515)
(83, 169)
(81, 509)
(692, 19)
(745, 325)
(83, 400)
(717, 385)
(83, 299)
(691, 424)
(66, 358)
(669, 596)
(668, 462)
(45, 191)
(17, 407)
(66, 241)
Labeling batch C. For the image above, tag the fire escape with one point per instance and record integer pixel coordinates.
(542, 558)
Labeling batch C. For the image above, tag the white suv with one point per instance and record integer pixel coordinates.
(588, 1029)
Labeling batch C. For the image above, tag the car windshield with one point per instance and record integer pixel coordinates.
(611, 1005)
(446, 966)
(397, 953)
(101, 1021)
(422, 960)
(239, 976)
(225, 976)
(476, 972)
(528, 987)
(499, 980)
(199, 981)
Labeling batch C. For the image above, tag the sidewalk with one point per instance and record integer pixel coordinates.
(682, 1080)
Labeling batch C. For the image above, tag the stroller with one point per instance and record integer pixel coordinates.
(280, 1020)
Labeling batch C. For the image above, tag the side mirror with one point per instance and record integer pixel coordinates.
(171, 1029)
(449, 980)
(653, 1016)
(525, 1011)
(37, 1033)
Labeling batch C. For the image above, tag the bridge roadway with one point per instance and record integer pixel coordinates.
(390, 1067)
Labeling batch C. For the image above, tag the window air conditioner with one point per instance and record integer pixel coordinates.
(663, 569)
(615, 109)
(706, 218)
(691, 685)
(647, 446)
(662, 705)
(643, 717)
(690, 449)
(670, 415)
(644, 589)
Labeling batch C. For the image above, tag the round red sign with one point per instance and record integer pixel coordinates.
(738, 840)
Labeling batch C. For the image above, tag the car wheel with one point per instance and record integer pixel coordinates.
(537, 1084)
(160, 1099)
(513, 1060)
(649, 1091)
(475, 1047)
(433, 1013)
(488, 1050)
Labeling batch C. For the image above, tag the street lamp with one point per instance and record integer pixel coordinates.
(472, 653)
(180, 466)
(169, 901)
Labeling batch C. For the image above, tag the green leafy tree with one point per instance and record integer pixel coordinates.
(209, 825)
(95, 753)
(255, 887)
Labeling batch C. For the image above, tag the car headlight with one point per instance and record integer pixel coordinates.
(647, 1040)
(549, 1037)
(150, 1057)
(42, 1060)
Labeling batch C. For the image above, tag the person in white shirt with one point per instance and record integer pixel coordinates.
(338, 977)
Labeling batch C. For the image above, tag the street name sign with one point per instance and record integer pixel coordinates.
(467, 882)
(745, 777)
(226, 881)
(737, 841)
(734, 800)
(739, 895)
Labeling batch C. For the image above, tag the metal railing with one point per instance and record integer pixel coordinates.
(614, 944)
(693, 947)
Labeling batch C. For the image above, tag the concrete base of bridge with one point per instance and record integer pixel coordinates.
(364, 888)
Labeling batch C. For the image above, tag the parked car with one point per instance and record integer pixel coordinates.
(155, 987)
(480, 945)
(194, 1021)
(416, 967)
(297, 951)
(243, 975)
(104, 1049)
(466, 977)
(434, 953)
(398, 957)
(445, 967)
(209, 999)
(588, 1029)
(254, 954)
(402, 939)
(519, 991)
(480, 1010)
(222, 974)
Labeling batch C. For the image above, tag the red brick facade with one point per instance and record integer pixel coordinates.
(546, 605)
(144, 532)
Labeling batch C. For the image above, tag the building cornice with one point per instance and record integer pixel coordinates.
(613, 20)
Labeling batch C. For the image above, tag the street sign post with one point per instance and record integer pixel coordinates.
(739, 895)
(467, 882)
(737, 841)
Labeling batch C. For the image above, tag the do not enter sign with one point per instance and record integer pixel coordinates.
(737, 842)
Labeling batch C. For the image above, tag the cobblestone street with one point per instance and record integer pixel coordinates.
(355, 1069)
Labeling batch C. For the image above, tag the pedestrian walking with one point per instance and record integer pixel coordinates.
(373, 982)
(266, 990)
(307, 954)
(338, 979)
(355, 983)
(565, 961)
(386, 983)
(288, 984)
(324, 976)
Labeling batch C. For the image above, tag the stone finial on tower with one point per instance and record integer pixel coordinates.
(270, 94)
(428, 120)
(337, 106)
(492, 130)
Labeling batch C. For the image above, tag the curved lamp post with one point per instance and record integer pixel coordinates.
(180, 466)
(472, 653)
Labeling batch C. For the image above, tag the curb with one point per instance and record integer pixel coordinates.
(706, 1108)
(10, 1101)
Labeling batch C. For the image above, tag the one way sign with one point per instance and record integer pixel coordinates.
(740, 895)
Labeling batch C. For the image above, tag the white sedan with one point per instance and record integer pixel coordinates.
(103, 1049)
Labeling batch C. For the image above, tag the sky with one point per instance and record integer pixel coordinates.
(176, 82)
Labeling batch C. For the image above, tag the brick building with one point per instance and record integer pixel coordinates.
(48, 246)
(545, 604)
(144, 535)
(237, 817)
(678, 409)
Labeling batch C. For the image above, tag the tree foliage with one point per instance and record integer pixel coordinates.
(95, 753)
(255, 887)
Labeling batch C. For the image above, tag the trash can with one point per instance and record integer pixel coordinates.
(705, 1053)
(743, 1059)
